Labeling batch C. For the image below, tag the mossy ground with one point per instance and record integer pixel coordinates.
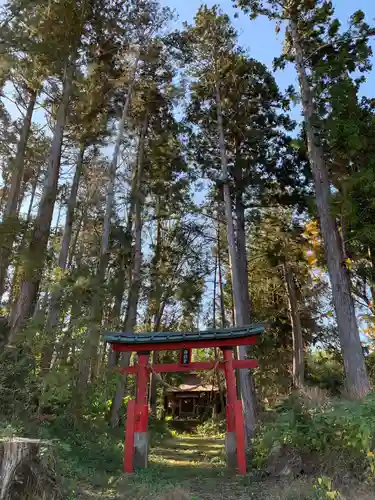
(187, 467)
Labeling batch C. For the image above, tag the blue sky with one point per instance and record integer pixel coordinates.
(259, 36)
(262, 43)
(260, 39)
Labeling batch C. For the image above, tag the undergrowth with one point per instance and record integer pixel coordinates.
(335, 432)
(87, 453)
(212, 427)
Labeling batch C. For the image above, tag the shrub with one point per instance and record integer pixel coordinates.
(332, 429)
(212, 427)
(325, 370)
(19, 385)
(159, 430)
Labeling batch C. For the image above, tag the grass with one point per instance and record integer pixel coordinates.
(188, 467)
(193, 468)
(181, 467)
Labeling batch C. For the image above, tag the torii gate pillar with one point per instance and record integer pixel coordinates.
(235, 435)
(141, 435)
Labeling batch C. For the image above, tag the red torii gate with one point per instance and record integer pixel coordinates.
(136, 436)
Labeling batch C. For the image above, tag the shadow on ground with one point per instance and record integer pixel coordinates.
(193, 468)
(189, 452)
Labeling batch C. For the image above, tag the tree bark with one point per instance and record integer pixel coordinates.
(245, 376)
(132, 306)
(372, 287)
(75, 311)
(10, 216)
(22, 470)
(90, 351)
(298, 375)
(355, 370)
(242, 254)
(31, 204)
(4, 195)
(247, 393)
(54, 308)
(214, 293)
(26, 225)
(221, 289)
(57, 225)
(217, 372)
(39, 240)
(128, 257)
(154, 301)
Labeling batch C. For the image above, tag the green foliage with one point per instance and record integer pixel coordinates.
(159, 430)
(212, 427)
(324, 486)
(90, 453)
(19, 385)
(269, 181)
(327, 429)
(324, 369)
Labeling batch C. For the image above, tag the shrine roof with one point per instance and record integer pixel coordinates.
(144, 338)
(192, 382)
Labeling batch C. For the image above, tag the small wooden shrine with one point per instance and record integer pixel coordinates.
(193, 398)
(136, 435)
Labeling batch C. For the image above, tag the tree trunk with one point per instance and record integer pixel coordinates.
(131, 313)
(72, 251)
(75, 312)
(154, 302)
(118, 290)
(247, 394)
(354, 363)
(132, 306)
(56, 231)
(372, 287)
(214, 293)
(90, 351)
(31, 204)
(217, 371)
(221, 289)
(4, 195)
(242, 255)
(10, 216)
(39, 240)
(22, 470)
(128, 257)
(54, 308)
(25, 228)
(298, 348)
(155, 357)
(245, 376)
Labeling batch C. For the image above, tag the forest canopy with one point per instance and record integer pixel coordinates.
(156, 178)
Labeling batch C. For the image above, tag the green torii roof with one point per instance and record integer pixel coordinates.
(166, 337)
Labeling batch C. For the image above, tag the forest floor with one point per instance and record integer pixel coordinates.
(187, 467)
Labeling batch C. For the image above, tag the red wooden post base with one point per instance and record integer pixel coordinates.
(136, 438)
(235, 437)
(140, 459)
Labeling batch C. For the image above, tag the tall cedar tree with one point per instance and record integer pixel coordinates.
(320, 52)
(212, 44)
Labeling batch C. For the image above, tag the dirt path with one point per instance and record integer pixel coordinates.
(189, 452)
(192, 468)
(188, 467)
